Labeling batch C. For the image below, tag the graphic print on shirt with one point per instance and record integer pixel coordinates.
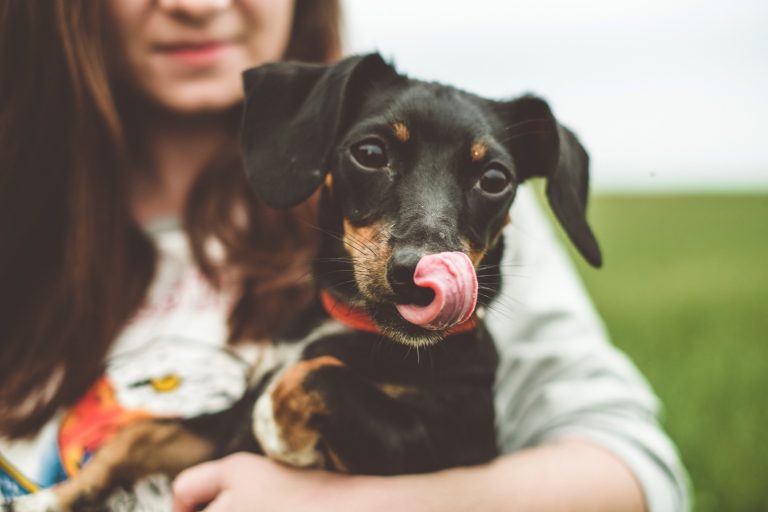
(172, 377)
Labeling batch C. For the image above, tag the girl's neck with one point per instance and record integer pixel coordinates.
(172, 151)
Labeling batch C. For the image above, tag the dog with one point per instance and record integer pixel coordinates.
(391, 370)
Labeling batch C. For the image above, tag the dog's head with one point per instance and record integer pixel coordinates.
(418, 179)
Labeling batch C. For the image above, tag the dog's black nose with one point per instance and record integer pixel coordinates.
(400, 271)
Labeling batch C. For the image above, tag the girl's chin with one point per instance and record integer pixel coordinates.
(195, 100)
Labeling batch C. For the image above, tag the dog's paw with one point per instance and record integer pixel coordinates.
(41, 501)
(284, 417)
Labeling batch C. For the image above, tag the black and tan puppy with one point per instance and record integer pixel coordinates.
(417, 183)
(391, 370)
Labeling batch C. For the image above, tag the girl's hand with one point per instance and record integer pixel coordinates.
(244, 481)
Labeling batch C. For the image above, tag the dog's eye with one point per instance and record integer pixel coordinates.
(494, 180)
(370, 153)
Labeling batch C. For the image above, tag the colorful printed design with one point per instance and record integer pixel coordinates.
(92, 422)
(12, 482)
(29, 465)
(178, 377)
(169, 377)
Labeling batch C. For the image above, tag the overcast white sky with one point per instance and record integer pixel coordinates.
(665, 94)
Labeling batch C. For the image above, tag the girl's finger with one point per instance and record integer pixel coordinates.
(196, 486)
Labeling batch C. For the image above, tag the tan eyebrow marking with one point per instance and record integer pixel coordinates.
(478, 151)
(401, 131)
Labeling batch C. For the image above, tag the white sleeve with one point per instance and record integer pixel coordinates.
(558, 374)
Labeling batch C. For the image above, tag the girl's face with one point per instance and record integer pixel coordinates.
(187, 55)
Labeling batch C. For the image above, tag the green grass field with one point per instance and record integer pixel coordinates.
(684, 291)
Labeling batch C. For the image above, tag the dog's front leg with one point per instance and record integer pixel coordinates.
(321, 413)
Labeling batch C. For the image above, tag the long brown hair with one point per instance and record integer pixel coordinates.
(74, 264)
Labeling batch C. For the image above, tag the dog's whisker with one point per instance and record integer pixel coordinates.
(332, 272)
(501, 274)
(495, 296)
(335, 260)
(504, 301)
(509, 315)
(362, 243)
(503, 265)
(501, 307)
(336, 236)
(495, 299)
(344, 283)
(486, 297)
(341, 259)
(361, 246)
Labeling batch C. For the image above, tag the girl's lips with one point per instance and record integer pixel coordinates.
(194, 54)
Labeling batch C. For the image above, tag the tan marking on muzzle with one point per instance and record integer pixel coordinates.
(370, 252)
(477, 254)
(329, 181)
(495, 239)
(401, 131)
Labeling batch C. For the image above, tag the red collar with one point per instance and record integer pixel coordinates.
(359, 320)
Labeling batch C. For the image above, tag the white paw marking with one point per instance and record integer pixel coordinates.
(264, 426)
(270, 437)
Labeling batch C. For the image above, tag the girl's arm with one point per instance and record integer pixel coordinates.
(569, 475)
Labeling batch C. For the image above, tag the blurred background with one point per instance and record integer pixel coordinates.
(671, 99)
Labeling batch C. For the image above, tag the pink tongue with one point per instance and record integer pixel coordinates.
(452, 277)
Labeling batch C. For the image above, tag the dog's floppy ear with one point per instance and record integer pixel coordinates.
(541, 147)
(292, 117)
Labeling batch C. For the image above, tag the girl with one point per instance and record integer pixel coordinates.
(132, 248)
